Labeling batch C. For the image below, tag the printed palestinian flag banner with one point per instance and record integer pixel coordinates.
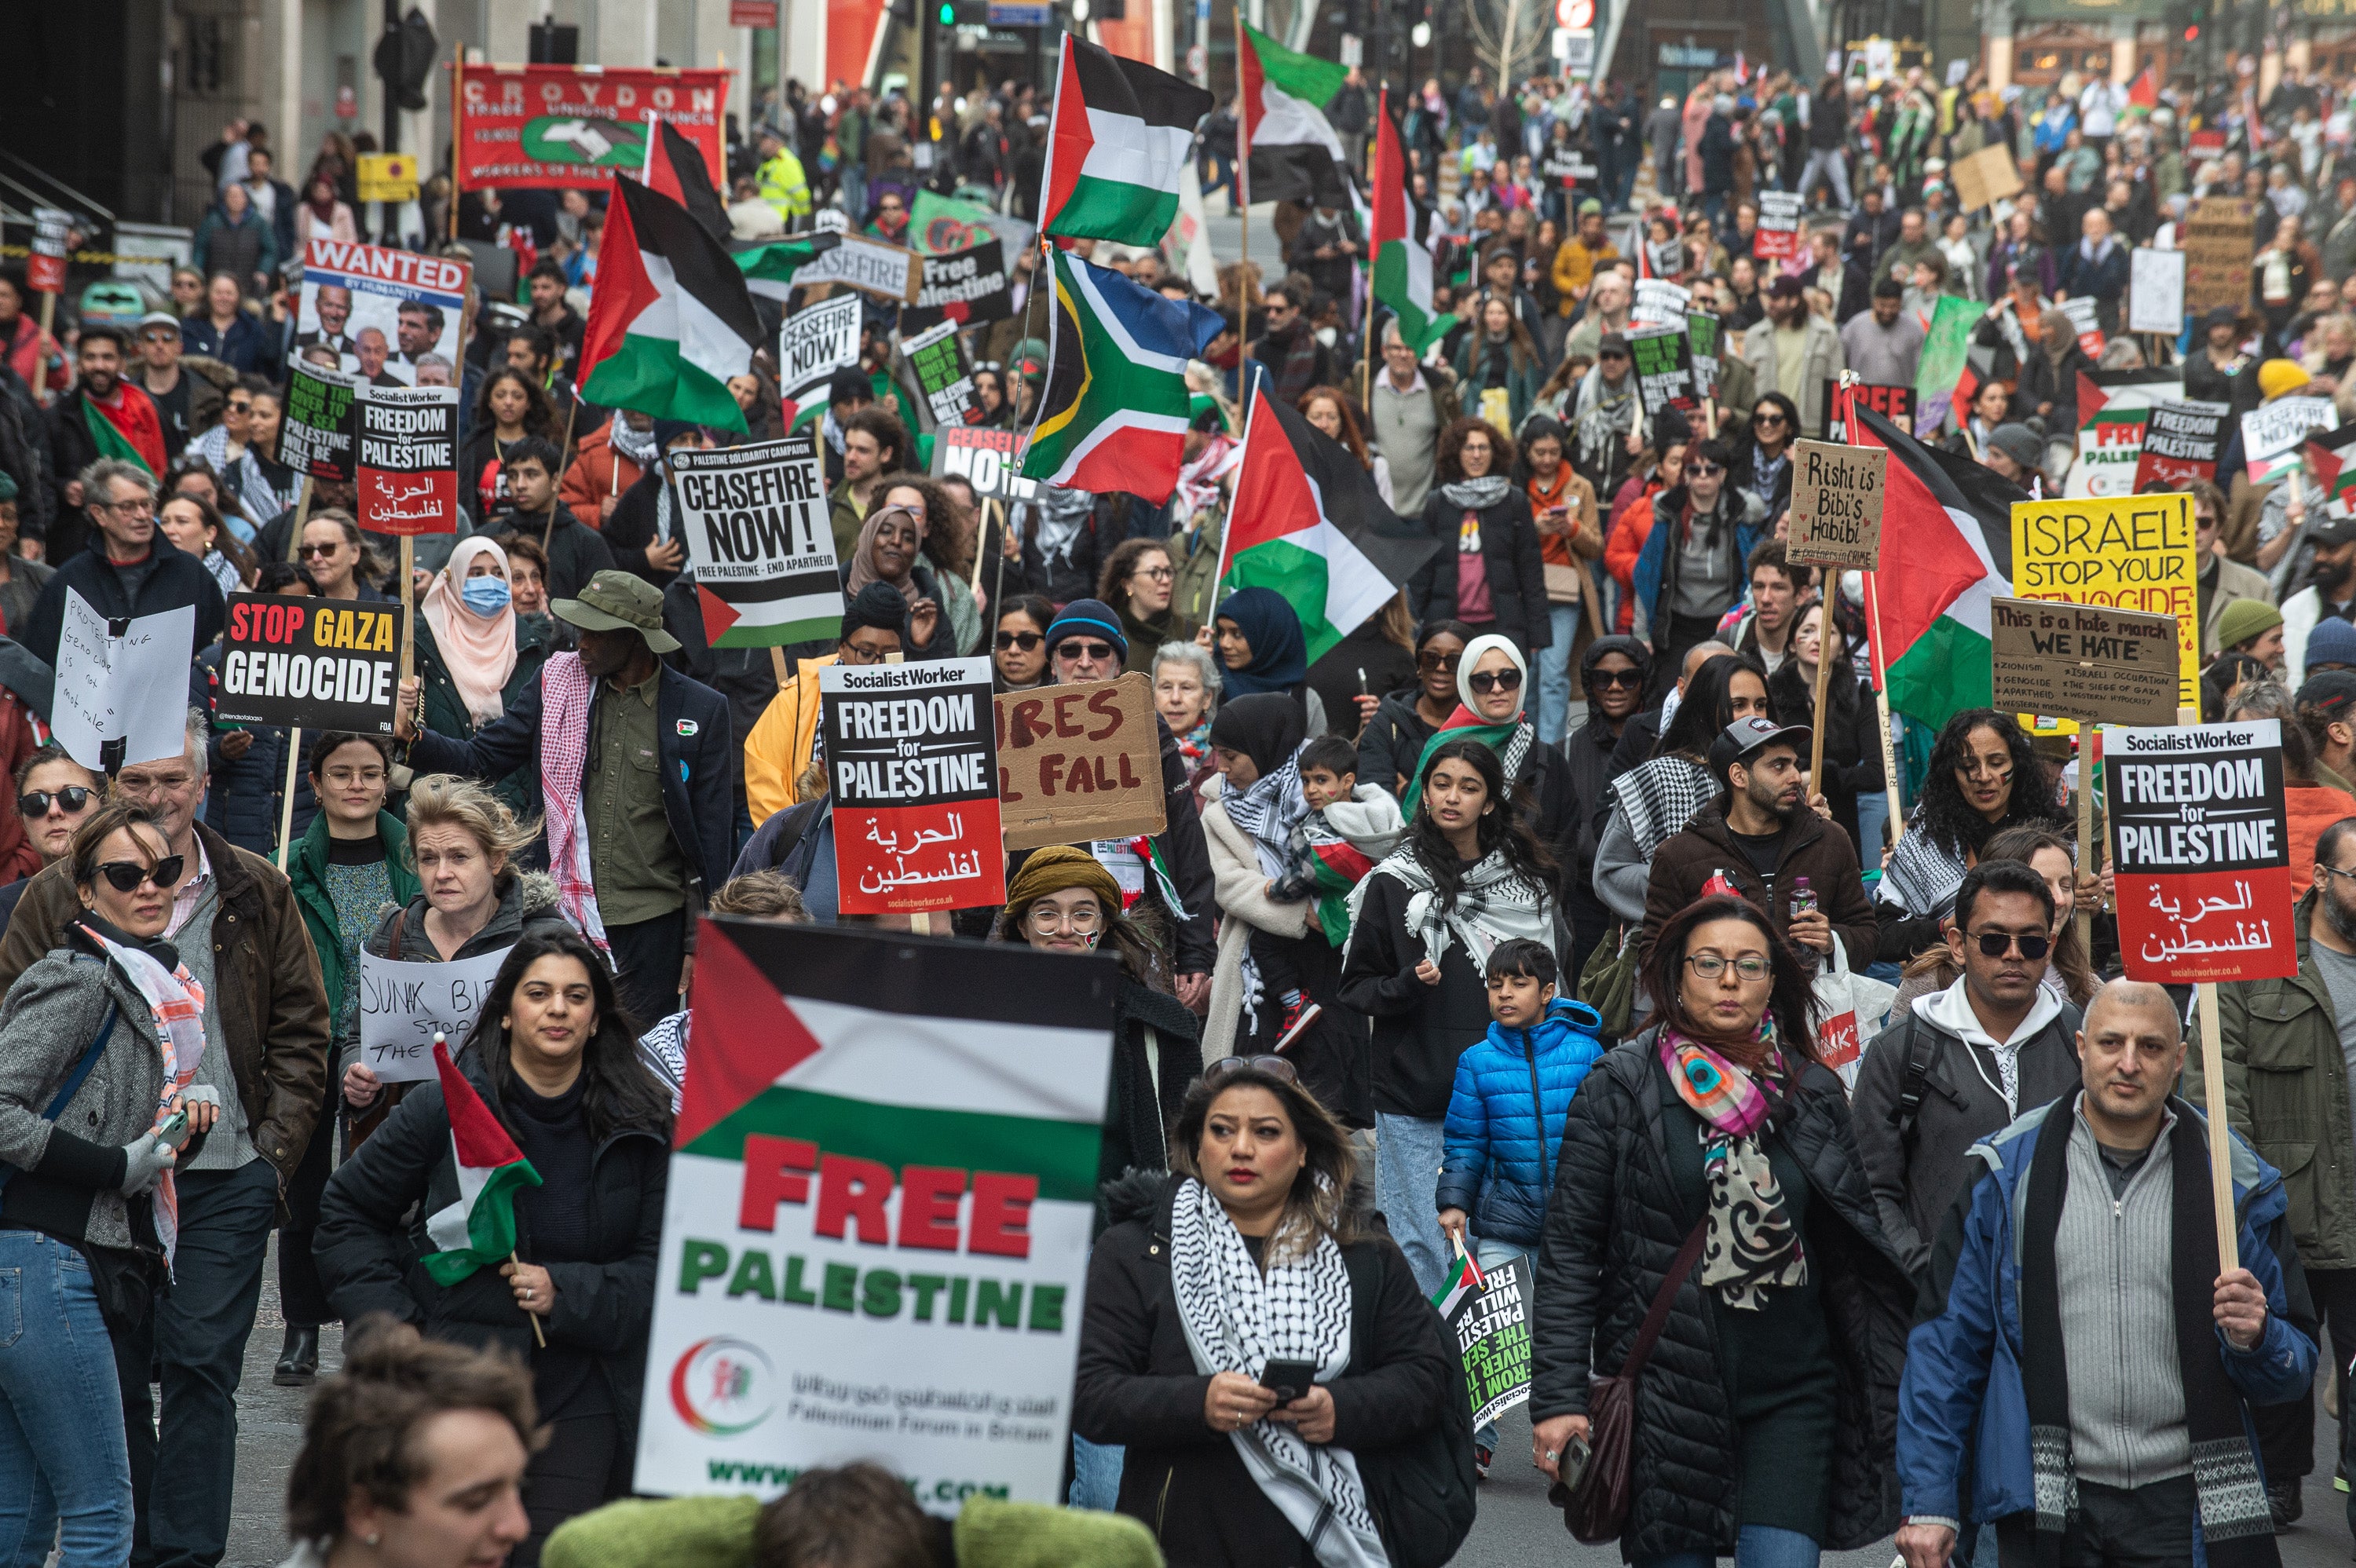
(479, 1231)
(1402, 281)
(676, 168)
(670, 320)
(1308, 522)
(1463, 1276)
(1950, 521)
(2331, 462)
(877, 1186)
(131, 431)
(1462, 725)
(1113, 413)
(2115, 410)
(1294, 154)
(1122, 133)
(769, 267)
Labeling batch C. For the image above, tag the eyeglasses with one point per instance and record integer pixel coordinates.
(1043, 918)
(1495, 680)
(1154, 573)
(1702, 470)
(1026, 641)
(1228, 1066)
(1073, 648)
(1709, 966)
(1624, 678)
(136, 506)
(1433, 664)
(1610, 354)
(1997, 944)
(124, 876)
(36, 802)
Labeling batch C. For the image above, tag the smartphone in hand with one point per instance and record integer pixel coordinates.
(175, 1130)
(1287, 1379)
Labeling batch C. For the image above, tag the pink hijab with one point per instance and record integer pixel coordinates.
(479, 651)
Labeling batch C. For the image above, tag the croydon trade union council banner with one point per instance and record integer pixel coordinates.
(875, 1238)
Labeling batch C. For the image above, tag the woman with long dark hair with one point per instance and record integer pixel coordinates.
(1766, 1431)
(1018, 656)
(1659, 796)
(1391, 746)
(1468, 875)
(1852, 741)
(555, 1058)
(1497, 367)
(511, 407)
(1982, 777)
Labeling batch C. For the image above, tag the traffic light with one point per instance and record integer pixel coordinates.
(949, 14)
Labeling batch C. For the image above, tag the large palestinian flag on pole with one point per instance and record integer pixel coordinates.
(669, 320)
(1308, 522)
(1121, 134)
(876, 1233)
(1294, 154)
(1950, 521)
(1113, 413)
(1402, 265)
(675, 167)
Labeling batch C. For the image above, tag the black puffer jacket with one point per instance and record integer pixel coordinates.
(1148, 1087)
(1137, 1385)
(1614, 1228)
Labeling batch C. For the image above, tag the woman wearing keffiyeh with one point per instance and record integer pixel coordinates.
(1762, 1425)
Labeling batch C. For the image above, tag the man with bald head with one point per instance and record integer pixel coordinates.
(2085, 1241)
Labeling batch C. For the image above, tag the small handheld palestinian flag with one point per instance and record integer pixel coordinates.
(1462, 725)
(479, 1231)
(670, 321)
(1123, 134)
(1463, 1276)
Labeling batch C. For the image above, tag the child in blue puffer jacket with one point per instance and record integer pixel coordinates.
(1505, 1113)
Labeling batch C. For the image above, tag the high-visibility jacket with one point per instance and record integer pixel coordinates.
(784, 186)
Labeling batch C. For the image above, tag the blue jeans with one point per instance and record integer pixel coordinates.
(63, 1456)
(1554, 673)
(1406, 1182)
(1492, 1254)
(1095, 1474)
(1759, 1546)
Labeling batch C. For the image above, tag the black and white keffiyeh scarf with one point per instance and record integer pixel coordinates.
(1237, 1320)
(1661, 795)
(1494, 904)
(1923, 874)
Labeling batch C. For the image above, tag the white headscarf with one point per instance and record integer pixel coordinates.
(1471, 660)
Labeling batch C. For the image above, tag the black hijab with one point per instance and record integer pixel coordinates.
(1268, 727)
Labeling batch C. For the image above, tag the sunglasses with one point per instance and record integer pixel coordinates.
(1432, 664)
(1612, 354)
(1702, 470)
(1026, 641)
(1228, 1066)
(1494, 680)
(1996, 944)
(36, 802)
(320, 551)
(124, 876)
(1628, 678)
(1072, 647)
(1767, 416)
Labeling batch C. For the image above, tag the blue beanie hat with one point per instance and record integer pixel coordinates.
(2333, 641)
(1092, 617)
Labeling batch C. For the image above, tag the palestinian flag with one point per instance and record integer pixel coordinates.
(1463, 1276)
(769, 266)
(479, 1231)
(1462, 725)
(2331, 463)
(2115, 410)
(1113, 413)
(1950, 521)
(676, 168)
(1122, 133)
(1402, 282)
(1308, 522)
(1293, 151)
(669, 320)
(130, 429)
(1340, 866)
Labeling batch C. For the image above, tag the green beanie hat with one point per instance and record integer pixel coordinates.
(2245, 619)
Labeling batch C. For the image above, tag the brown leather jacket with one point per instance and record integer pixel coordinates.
(273, 1007)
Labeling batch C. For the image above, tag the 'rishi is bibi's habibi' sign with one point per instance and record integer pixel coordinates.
(2202, 847)
(324, 664)
(1836, 494)
(408, 460)
(912, 758)
(2124, 552)
(755, 522)
(875, 1238)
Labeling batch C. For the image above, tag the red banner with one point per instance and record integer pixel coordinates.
(559, 126)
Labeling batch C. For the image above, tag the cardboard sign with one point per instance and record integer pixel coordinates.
(2272, 436)
(324, 664)
(986, 460)
(2180, 442)
(547, 127)
(1489, 1314)
(45, 269)
(889, 271)
(2156, 291)
(1079, 762)
(875, 1232)
(815, 342)
(404, 1004)
(380, 310)
(912, 760)
(2200, 845)
(121, 694)
(968, 287)
(2129, 552)
(2217, 240)
(1836, 495)
(1895, 404)
(938, 356)
(1987, 177)
(1779, 226)
(319, 425)
(1664, 361)
(408, 460)
(2111, 666)
(760, 541)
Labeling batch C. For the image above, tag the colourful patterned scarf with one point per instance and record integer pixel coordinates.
(1752, 1244)
(567, 695)
(177, 1003)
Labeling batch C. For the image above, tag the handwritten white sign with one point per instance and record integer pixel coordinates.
(122, 685)
(401, 1004)
(2156, 291)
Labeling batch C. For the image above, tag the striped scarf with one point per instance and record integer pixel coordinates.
(567, 695)
(177, 1004)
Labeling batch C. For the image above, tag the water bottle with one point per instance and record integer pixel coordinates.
(1804, 898)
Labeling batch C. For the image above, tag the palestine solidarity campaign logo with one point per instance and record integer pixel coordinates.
(722, 1387)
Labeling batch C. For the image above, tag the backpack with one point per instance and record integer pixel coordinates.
(1921, 1049)
(1423, 1492)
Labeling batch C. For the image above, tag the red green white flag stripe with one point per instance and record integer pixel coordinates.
(479, 1229)
(1402, 265)
(1463, 1276)
(1123, 132)
(670, 320)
